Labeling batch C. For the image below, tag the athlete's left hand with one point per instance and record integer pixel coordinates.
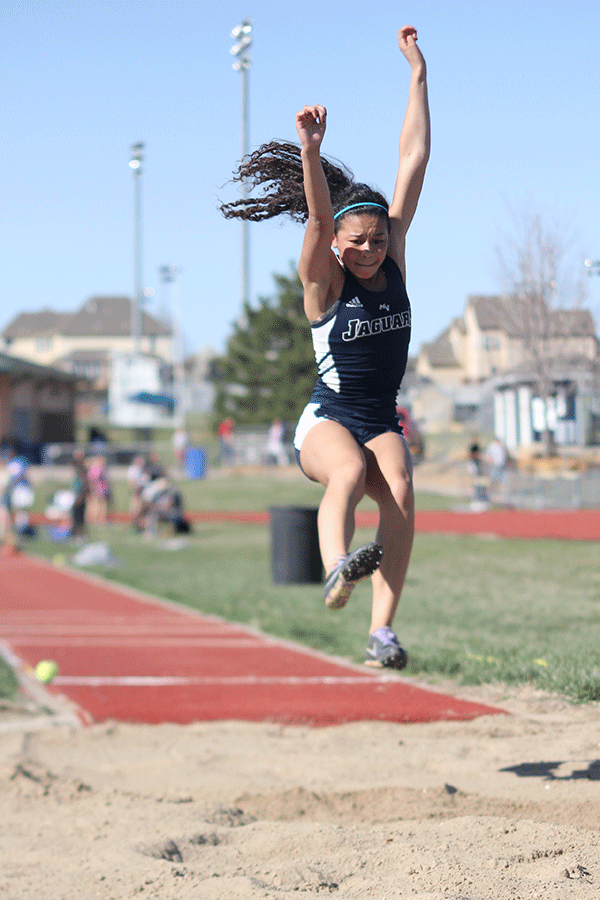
(407, 42)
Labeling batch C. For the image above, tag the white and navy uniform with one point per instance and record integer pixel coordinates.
(361, 348)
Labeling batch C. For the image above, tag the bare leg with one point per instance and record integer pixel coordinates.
(331, 456)
(389, 483)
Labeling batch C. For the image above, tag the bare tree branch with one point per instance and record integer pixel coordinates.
(534, 270)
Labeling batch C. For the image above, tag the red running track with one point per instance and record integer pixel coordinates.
(132, 658)
(568, 525)
(560, 524)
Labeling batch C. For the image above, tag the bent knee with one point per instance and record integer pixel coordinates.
(351, 469)
(397, 492)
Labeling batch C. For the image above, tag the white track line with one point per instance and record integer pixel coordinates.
(83, 617)
(166, 681)
(100, 630)
(129, 641)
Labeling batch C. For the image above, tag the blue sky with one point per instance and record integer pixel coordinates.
(514, 91)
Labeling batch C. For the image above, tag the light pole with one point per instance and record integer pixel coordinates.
(135, 164)
(169, 276)
(243, 41)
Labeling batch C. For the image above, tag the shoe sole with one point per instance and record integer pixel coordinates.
(392, 664)
(360, 564)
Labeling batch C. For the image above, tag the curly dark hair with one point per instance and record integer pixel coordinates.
(276, 168)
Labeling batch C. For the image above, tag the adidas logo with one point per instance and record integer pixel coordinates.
(355, 302)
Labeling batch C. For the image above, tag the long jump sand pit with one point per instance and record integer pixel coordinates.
(498, 807)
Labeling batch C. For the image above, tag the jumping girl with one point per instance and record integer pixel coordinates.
(352, 268)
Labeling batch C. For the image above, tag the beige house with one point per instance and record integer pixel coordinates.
(492, 338)
(84, 341)
(543, 373)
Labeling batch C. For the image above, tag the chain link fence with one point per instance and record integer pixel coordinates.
(565, 490)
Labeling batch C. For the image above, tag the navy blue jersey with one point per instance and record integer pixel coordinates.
(361, 348)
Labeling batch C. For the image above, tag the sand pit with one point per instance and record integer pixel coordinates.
(498, 807)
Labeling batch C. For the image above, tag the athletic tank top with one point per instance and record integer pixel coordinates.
(361, 346)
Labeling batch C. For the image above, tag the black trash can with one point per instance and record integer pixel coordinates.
(295, 553)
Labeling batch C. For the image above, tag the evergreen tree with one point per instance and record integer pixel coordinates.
(268, 370)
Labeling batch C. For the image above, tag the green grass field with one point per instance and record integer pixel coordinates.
(474, 609)
(8, 681)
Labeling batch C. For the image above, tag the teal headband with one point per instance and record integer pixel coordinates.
(356, 205)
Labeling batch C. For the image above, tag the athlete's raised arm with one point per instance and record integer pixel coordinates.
(317, 259)
(413, 148)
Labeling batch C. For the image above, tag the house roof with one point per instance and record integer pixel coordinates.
(110, 317)
(90, 355)
(439, 352)
(577, 369)
(572, 323)
(558, 366)
(508, 314)
(98, 317)
(13, 365)
(40, 323)
(496, 313)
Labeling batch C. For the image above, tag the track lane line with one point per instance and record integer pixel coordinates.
(167, 680)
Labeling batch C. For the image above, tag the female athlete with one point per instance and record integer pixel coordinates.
(352, 268)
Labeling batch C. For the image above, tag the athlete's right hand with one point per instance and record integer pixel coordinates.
(310, 125)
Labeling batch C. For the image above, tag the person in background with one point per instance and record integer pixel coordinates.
(496, 457)
(225, 434)
(180, 445)
(10, 470)
(275, 449)
(135, 483)
(22, 499)
(152, 476)
(100, 491)
(476, 470)
(81, 490)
